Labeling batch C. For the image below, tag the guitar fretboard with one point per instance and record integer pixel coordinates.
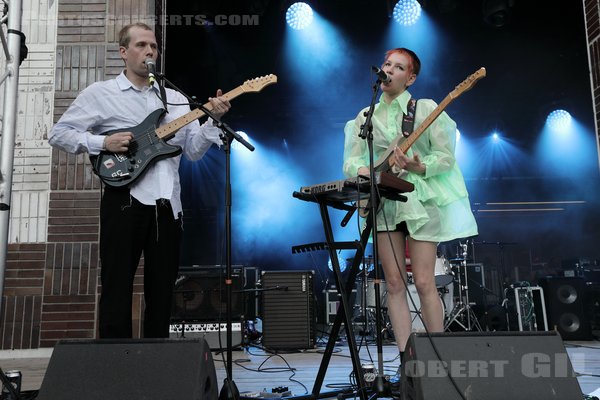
(166, 131)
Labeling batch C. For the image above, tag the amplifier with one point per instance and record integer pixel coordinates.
(288, 310)
(214, 333)
(200, 293)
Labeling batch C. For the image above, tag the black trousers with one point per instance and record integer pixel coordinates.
(128, 228)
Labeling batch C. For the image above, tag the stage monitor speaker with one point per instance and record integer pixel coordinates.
(200, 294)
(288, 310)
(565, 306)
(488, 365)
(122, 369)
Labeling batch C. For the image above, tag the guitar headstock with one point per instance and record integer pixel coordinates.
(257, 84)
(468, 83)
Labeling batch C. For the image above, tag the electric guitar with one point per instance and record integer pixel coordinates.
(149, 140)
(382, 164)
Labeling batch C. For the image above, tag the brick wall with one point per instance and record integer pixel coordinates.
(52, 273)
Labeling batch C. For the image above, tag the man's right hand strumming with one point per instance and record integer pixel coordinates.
(118, 142)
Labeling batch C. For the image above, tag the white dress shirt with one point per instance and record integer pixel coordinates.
(117, 104)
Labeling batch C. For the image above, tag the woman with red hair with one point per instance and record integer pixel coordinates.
(438, 210)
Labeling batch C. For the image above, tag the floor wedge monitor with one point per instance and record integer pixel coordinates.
(130, 369)
(488, 365)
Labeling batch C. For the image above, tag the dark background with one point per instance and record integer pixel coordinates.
(536, 62)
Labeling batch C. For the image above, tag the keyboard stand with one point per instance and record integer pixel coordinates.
(344, 289)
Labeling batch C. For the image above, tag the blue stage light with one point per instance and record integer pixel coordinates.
(299, 15)
(495, 137)
(559, 120)
(407, 12)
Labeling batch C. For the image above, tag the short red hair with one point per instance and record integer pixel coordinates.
(415, 63)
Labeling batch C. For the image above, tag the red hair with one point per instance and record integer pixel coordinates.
(415, 63)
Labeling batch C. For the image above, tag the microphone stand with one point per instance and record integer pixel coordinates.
(380, 386)
(229, 389)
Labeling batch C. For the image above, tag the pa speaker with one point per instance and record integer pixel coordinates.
(565, 304)
(490, 366)
(130, 370)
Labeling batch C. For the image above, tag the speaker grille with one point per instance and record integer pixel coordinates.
(288, 310)
(566, 307)
(130, 370)
(200, 294)
(488, 365)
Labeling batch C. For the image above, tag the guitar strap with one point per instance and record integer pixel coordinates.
(408, 126)
(408, 120)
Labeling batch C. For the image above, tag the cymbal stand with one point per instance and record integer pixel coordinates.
(462, 313)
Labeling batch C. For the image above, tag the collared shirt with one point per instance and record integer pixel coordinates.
(117, 104)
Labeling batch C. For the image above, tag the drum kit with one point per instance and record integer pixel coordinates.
(451, 287)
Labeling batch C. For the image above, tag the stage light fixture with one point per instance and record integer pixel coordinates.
(495, 137)
(407, 12)
(299, 16)
(496, 12)
(559, 120)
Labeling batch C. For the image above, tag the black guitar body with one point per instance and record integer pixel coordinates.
(122, 169)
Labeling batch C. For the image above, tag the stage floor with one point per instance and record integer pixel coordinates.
(256, 370)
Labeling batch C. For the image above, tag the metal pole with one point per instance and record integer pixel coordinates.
(9, 125)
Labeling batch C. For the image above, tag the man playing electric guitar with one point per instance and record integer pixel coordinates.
(144, 216)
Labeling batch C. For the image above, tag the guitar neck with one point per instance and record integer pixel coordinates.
(167, 131)
(411, 139)
(382, 163)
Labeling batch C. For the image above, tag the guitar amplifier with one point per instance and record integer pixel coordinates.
(200, 294)
(288, 310)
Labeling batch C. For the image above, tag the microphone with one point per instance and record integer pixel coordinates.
(381, 75)
(151, 67)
